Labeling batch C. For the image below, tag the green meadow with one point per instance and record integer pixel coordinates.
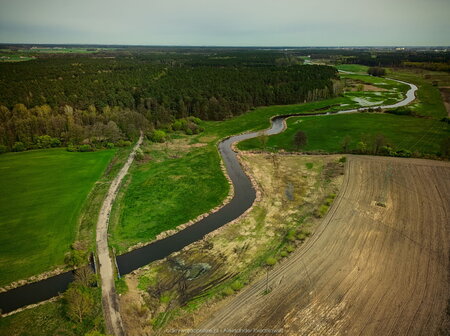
(41, 196)
(353, 68)
(328, 133)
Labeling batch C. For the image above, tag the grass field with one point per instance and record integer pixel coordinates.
(353, 68)
(41, 195)
(179, 183)
(327, 133)
(14, 58)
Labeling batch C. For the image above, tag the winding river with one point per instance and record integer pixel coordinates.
(244, 196)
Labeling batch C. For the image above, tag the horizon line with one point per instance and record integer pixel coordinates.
(224, 46)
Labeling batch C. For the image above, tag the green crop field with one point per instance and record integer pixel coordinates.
(41, 194)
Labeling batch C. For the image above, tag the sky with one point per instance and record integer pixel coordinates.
(227, 23)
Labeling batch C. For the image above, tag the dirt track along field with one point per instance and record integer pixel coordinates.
(113, 320)
(376, 265)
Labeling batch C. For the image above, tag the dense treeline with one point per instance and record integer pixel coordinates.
(401, 58)
(107, 98)
(376, 71)
(426, 58)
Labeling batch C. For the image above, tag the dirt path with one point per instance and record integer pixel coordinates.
(368, 269)
(110, 304)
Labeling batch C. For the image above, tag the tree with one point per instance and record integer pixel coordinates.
(85, 276)
(378, 143)
(94, 333)
(46, 141)
(80, 303)
(376, 71)
(158, 136)
(346, 143)
(112, 132)
(18, 147)
(85, 148)
(300, 139)
(445, 147)
(139, 155)
(362, 147)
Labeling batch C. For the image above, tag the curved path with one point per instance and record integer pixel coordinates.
(244, 196)
(106, 267)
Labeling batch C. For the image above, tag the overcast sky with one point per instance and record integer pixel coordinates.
(230, 22)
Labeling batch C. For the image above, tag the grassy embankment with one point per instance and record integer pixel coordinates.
(422, 133)
(47, 319)
(43, 207)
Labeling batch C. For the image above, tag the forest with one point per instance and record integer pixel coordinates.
(107, 97)
(380, 56)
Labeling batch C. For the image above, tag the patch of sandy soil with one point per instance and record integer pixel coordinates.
(176, 144)
(378, 264)
(368, 87)
(207, 139)
(356, 85)
(174, 148)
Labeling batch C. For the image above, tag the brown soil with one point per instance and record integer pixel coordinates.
(181, 145)
(377, 264)
(357, 85)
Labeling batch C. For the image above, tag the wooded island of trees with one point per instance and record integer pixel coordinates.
(105, 99)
